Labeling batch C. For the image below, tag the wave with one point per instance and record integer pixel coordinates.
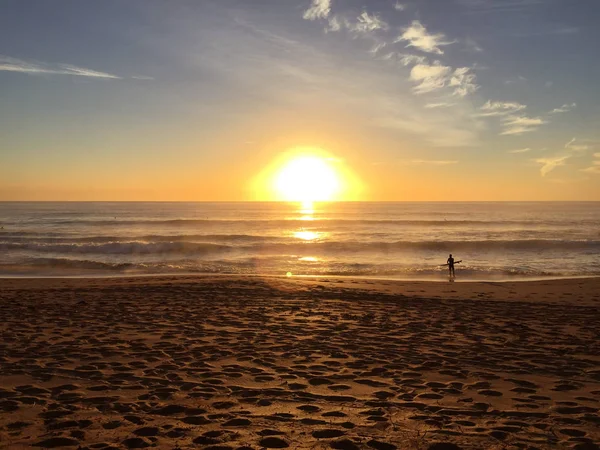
(68, 266)
(145, 238)
(316, 219)
(321, 247)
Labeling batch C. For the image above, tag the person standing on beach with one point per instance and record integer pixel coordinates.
(450, 266)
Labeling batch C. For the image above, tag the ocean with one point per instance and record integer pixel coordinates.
(397, 240)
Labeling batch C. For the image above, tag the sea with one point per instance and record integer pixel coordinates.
(395, 240)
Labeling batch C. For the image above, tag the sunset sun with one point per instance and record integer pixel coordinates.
(307, 179)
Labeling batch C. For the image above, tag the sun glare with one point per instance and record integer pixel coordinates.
(307, 179)
(307, 175)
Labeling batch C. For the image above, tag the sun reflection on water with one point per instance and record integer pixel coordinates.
(306, 235)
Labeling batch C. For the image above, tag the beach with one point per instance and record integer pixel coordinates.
(240, 362)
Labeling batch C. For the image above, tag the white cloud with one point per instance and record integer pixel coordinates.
(430, 77)
(439, 105)
(366, 23)
(549, 164)
(436, 76)
(407, 59)
(319, 9)
(34, 68)
(520, 150)
(417, 36)
(334, 24)
(564, 108)
(378, 46)
(501, 108)
(515, 125)
(463, 82)
(399, 6)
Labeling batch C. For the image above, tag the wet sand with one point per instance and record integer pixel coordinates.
(246, 362)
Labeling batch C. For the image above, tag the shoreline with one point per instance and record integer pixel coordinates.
(459, 279)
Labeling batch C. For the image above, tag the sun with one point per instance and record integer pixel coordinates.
(307, 179)
(306, 175)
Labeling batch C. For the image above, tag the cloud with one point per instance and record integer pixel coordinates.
(595, 167)
(334, 24)
(564, 108)
(417, 36)
(572, 146)
(399, 6)
(498, 6)
(378, 46)
(407, 59)
(463, 82)
(430, 77)
(501, 108)
(437, 76)
(520, 150)
(366, 23)
(34, 68)
(515, 125)
(319, 9)
(517, 79)
(439, 105)
(472, 46)
(433, 162)
(549, 164)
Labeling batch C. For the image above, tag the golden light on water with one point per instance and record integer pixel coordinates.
(307, 235)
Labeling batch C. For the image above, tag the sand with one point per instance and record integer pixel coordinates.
(246, 362)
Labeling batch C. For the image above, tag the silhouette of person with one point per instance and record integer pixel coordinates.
(450, 265)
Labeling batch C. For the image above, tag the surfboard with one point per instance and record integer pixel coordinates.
(447, 264)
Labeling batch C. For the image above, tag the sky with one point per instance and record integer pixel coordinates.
(459, 100)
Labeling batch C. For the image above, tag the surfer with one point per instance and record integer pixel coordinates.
(450, 265)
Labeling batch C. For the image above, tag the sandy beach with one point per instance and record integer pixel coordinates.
(222, 362)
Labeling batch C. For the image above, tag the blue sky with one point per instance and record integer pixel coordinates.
(148, 99)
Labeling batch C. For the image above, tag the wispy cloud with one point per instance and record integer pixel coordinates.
(439, 105)
(551, 163)
(472, 46)
(577, 148)
(319, 9)
(517, 79)
(430, 76)
(463, 82)
(399, 6)
(595, 167)
(407, 59)
(520, 150)
(496, 108)
(9, 64)
(436, 76)
(515, 125)
(498, 6)
(366, 23)
(433, 162)
(564, 108)
(573, 150)
(417, 36)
